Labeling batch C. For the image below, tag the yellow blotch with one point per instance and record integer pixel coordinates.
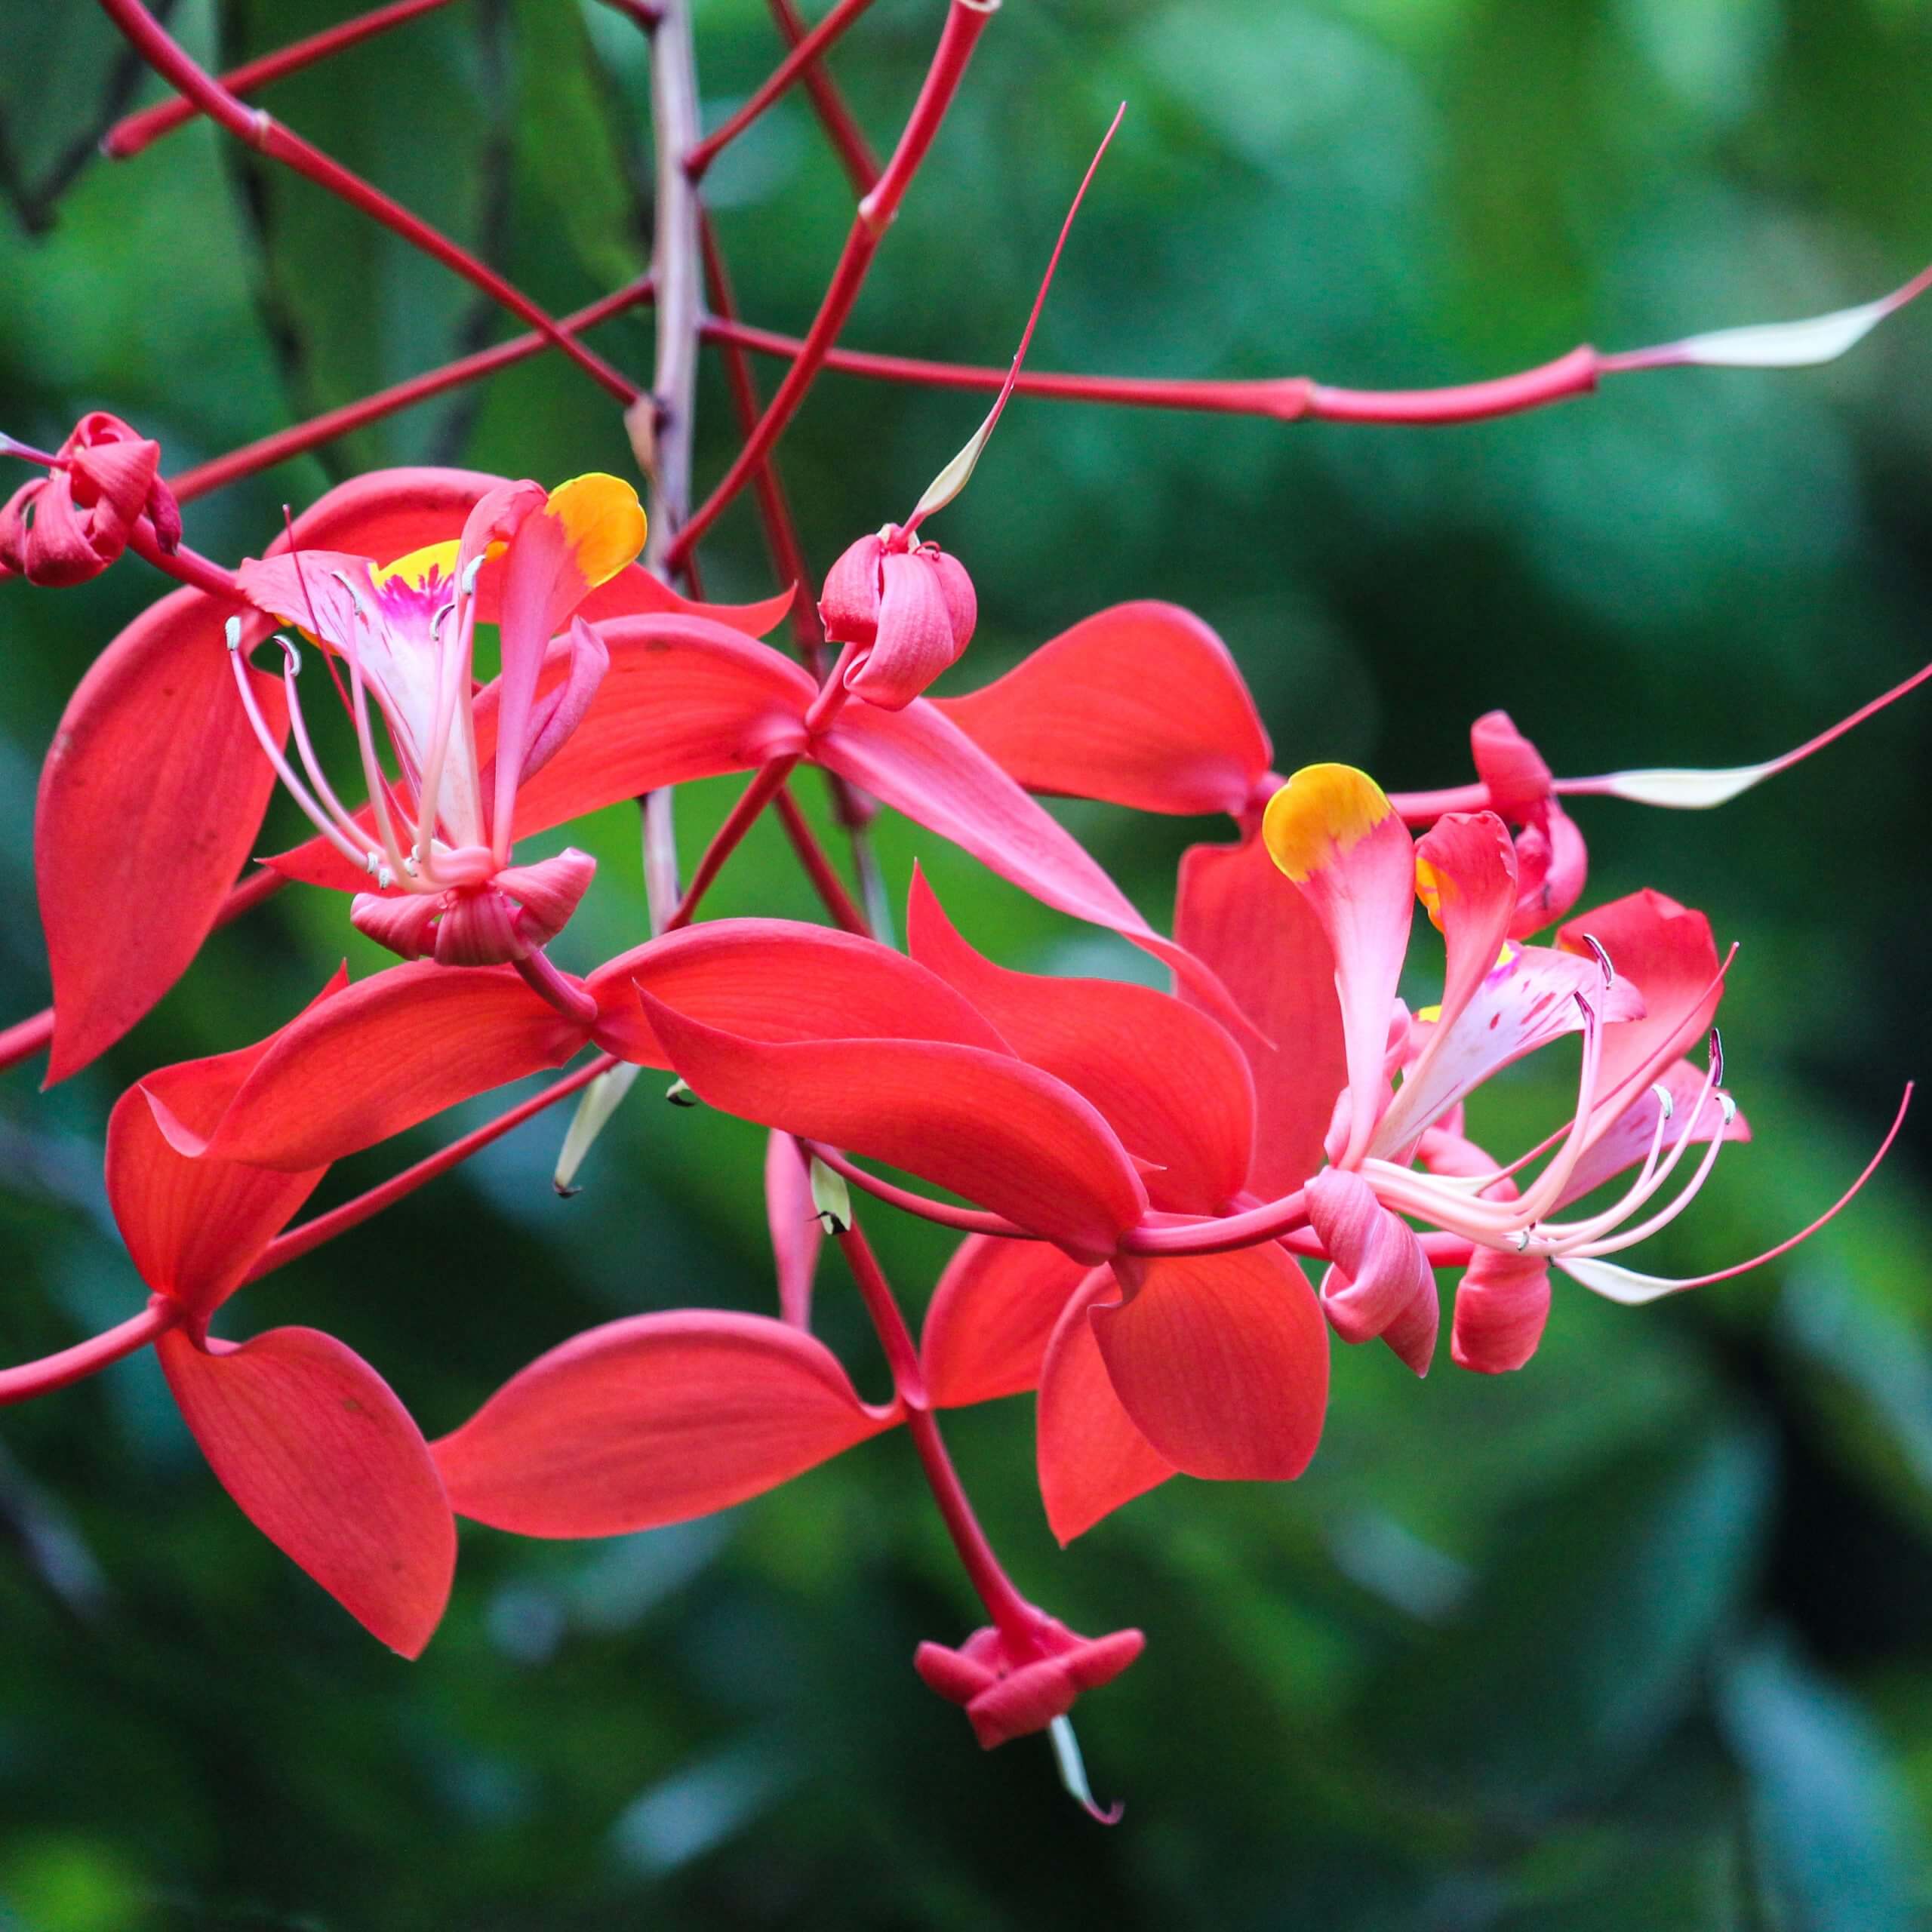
(1319, 814)
(1432, 887)
(417, 569)
(605, 522)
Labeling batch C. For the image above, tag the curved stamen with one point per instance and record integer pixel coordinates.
(358, 856)
(1630, 1237)
(291, 669)
(373, 774)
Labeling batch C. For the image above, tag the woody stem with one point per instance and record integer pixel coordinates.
(1015, 1617)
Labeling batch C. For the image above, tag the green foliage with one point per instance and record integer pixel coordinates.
(1635, 1638)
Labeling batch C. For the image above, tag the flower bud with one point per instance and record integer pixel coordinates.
(68, 526)
(486, 924)
(908, 607)
(1007, 1695)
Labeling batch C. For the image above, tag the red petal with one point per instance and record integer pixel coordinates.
(326, 1463)
(777, 980)
(987, 1327)
(1517, 779)
(1221, 1361)
(914, 640)
(194, 1228)
(1348, 853)
(149, 802)
(983, 1124)
(849, 609)
(1666, 952)
(1267, 947)
(1140, 705)
(653, 1420)
(1092, 1459)
(797, 1233)
(921, 764)
(1501, 1304)
(391, 1050)
(385, 514)
(1168, 1080)
(635, 592)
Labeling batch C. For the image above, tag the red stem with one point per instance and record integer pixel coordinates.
(298, 1242)
(964, 22)
(217, 474)
(129, 136)
(85, 1358)
(751, 800)
(967, 1220)
(184, 565)
(804, 53)
(260, 130)
(1271, 1220)
(818, 867)
(1016, 1619)
(854, 150)
(26, 1037)
(540, 973)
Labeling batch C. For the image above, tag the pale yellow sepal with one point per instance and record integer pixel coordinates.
(1320, 813)
(605, 522)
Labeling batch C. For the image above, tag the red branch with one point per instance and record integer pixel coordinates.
(804, 52)
(854, 150)
(266, 451)
(129, 136)
(260, 130)
(965, 20)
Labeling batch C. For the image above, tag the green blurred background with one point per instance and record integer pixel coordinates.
(1638, 1638)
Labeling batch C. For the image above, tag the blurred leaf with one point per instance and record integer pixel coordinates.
(1584, 1636)
(1830, 1850)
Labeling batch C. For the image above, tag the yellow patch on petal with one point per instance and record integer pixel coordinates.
(420, 566)
(604, 520)
(1319, 814)
(1432, 887)
(1429, 1015)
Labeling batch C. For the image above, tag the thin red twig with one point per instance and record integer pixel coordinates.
(804, 53)
(266, 451)
(261, 131)
(818, 866)
(854, 151)
(298, 1242)
(129, 136)
(965, 20)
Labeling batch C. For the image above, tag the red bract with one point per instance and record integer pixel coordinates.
(69, 525)
(1008, 1695)
(307, 1437)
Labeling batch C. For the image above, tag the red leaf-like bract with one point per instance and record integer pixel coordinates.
(653, 1420)
(195, 1227)
(1092, 1459)
(986, 1328)
(327, 1463)
(1169, 1080)
(149, 804)
(1140, 705)
(777, 980)
(920, 763)
(1222, 1361)
(984, 1125)
(1235, 912)
(391, 1050)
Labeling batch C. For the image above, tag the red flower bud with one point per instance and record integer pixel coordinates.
(910, 608)
(69, 525)
(1007, 1697)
